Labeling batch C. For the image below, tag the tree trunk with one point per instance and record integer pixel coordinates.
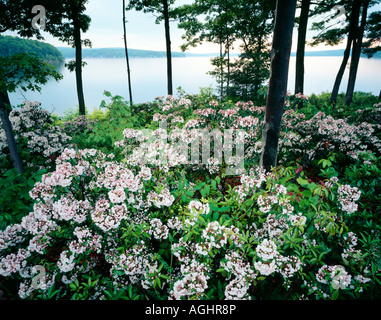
(302, 30)
(221, 71)
(356, 52)
(280, 58)
(78, 60)
(126, 51)
(352, 30)
(340, 74)
(168, 47)
(12, 146)
(227, 48)
(379, 96)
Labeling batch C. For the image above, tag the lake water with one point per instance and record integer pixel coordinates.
(148, 76)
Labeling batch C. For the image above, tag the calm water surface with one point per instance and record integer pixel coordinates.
(149, 80)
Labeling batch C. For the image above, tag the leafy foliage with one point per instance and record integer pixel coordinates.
(26, 71)
(46, 52)
(115, 228)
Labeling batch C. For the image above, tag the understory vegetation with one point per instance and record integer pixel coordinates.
(119, 204)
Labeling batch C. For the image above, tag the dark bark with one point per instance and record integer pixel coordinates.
(126, 51)
(7, 102)
(379, 96)
(221, 71)
(340, 74)
(280, 58)
(168, 47)
(227, 47)
(78, 59)
(356, 52)
(352, 30)
(12, 146)
(302, 31)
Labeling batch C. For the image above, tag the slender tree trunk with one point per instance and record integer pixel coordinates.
(352, 29)
(78, 75)
(7, 102)
(78, 59)
(280, 58)
(168, 46)
(227, 47)
(126, 51)
(356, 52)
(340, 74)
(221, 71)
(12, 146)
(302, 30)
(379, 96)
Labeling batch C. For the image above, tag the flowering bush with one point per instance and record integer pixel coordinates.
(79, 125)
(144, 224)
(322, 134)
(156, 225)
(142, 227)
(38, 140)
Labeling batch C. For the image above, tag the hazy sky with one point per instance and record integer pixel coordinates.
(106, 29)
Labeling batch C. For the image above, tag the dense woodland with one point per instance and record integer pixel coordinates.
(45, 51)
(69, 53)
(242, 192)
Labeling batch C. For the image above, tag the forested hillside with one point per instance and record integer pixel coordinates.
(116, 53)
(11, 45)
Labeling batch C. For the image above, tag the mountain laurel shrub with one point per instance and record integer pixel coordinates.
(148, 224)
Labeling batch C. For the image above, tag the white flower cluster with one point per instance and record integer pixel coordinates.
(193, 281)
(272, 261)
(162, 199)
(267, 250)
(267, 202)
(350, 252)
(194, 274)
(107, 217)
(164, 149)
(347, 197)
(243, 273)
(251, 182)
(248, 121)
(86, 240)
(66, 262)
(331, 182)
(237, 289)
(196, 208)
(158, 229)
(217, 236)
(335, 133)
(32, 124)
(134, 263)
(207, 112)
(335, 275)
(69, 209)
(57, 201)
(170, 102)
(14, 262)
(143, 148)
(11, 236)
(213, 165)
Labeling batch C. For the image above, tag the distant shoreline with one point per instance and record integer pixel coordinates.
(115, 53)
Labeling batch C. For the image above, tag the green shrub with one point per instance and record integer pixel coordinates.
(15, 202)
(147, 224)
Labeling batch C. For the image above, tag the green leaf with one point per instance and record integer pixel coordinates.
(302, 182)
(335, 295)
